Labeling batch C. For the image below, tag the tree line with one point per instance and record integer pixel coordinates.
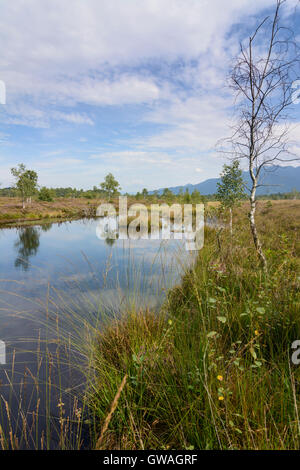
(27, 187)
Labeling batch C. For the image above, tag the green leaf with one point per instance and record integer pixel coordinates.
(253, 353)
(221, 289)
(211, 334)
(222, 319)
(261, 310)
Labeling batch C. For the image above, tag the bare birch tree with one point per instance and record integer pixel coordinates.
(262, 78)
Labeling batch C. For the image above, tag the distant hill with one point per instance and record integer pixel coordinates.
(279, 179)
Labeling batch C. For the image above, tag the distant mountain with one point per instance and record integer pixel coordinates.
(279, 179)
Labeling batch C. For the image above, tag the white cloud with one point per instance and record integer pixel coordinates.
(63, 37)
(134, 157)
(66, 50)
(194, 124)
(29, 115)
(69, 61)
(74, 118)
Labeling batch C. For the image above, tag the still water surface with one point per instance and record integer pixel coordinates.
(59, 275)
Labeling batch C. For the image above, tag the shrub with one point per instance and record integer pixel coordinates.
(45, 194)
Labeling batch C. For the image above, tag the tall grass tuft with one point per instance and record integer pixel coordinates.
(213, 369)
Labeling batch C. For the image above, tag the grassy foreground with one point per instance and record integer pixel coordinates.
(213, 369)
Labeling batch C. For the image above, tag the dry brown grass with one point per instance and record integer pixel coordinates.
(11, 211)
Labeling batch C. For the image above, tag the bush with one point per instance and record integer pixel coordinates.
(45, 194)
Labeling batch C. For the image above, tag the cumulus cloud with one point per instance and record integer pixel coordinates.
(46, 46)
(70, 62)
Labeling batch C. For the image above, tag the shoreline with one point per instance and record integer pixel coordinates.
(43, 221)
(39, 212)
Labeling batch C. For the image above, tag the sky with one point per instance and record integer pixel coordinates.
(133, 87)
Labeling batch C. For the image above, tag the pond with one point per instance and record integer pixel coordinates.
(56, 280)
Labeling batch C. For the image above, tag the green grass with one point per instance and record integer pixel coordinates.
(212, 370)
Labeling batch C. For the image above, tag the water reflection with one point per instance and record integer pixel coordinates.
(46, 227)
(75, 281)
(27, 246)
(110, 241)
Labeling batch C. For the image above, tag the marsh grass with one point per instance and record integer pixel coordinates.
(46, 386)
(42, 397)
(210, 370)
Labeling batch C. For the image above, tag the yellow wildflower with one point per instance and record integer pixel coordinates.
(256, 333)
(221, 398)
(220, 377)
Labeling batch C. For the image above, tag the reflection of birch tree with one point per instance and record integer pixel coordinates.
(27, 246)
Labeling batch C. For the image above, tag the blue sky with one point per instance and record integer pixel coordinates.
(132, 87)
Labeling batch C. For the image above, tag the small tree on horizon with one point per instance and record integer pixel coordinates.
(145, 193)
(26, 182)
(45, 194)
(187, 199)
(196, 196)
(110, 186)
(231, 188)
(167, 194)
